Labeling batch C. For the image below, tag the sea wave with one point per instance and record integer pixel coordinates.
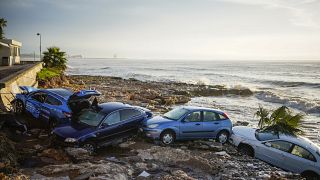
(304, 105)
(294, 84)
(106, 68)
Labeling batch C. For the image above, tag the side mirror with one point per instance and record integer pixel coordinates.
(267, 144)
(104, 125)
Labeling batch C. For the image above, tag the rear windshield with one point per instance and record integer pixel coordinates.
(175, 114)
(90, 117)
(265, 136)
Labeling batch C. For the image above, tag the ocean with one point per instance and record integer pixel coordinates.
(294, 84)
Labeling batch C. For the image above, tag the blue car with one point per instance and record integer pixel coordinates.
(52, 106)
(102, 125)
(187, 123)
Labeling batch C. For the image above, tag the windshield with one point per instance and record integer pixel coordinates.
(90, 117)
(265, 136)
(175, 114)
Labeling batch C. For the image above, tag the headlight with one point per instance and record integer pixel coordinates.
(153, 125)
(70, 140)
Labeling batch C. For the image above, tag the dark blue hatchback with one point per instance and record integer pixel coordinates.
(105, 124)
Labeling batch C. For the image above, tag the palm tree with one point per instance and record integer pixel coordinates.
(54, 58)
(3, 23)
(281, 120)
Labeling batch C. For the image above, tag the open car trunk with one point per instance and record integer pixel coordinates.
(80, 100)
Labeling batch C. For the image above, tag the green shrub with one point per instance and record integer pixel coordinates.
(47, 73)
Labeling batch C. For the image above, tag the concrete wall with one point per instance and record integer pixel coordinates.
(9, 86)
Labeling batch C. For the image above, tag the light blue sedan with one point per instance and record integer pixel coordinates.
(293, 153)
(189, 122)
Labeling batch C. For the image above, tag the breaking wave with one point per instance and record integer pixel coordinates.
(294, 84)
(293, 102)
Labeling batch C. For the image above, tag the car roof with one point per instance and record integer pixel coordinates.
(112, 106)
(194, 108)
(301, 141)
(64, 93)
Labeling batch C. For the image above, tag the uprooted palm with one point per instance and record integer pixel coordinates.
(280, 120)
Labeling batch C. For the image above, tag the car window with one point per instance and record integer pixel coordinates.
(53, 101)
(301, 152)
(90, 117)
(210, 116)
(193, 117)
(265, 136)
(40, 97)
(128, 113)
(281, 145)
(113, 118)
(175, 114)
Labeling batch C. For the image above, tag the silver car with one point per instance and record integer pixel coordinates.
(295, 154)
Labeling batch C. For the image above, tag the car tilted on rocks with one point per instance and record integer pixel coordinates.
(52, 106)
(187, 123)
(292, 153)
(101, 125)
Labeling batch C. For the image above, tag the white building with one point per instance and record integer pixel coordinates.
(9, 52)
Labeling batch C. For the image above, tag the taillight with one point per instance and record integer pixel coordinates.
(66, 114)
(225, 115)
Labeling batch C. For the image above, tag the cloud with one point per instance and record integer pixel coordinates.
(303, 12)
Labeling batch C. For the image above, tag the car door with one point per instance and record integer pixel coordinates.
(299, 159)
(211, 123)
(131, 120)
(50, 108)
(273, 152)
(191, 126)
(109, 129)
(34, 103)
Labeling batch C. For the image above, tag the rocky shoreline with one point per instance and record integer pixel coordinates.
(32, 155)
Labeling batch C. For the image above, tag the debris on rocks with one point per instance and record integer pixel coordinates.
(144, 174)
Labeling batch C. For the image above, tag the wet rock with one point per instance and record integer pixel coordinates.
(100, 169)
(38, 147)
(78, 154)
(58, 155)
(8, 154)
(141, 165)
(222, 153)
(126, 144)
(241, 123)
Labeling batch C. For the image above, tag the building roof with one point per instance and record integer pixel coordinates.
(4, 44)
(11, 42)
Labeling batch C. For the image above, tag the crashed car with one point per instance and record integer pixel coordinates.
(189, 123)
(293, 153)
(101, 125)
(52, 106)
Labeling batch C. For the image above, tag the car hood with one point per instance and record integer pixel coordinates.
(243, 131)
(75, 130)
(157, 120)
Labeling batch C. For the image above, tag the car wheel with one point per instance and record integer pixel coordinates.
(246, 150)
(222, 137)
(310, 175)
(52, 124)
(167, 137)
(90, 147)
(18, 107)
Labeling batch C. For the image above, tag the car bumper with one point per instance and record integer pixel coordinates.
(235, 140)
(151, 133)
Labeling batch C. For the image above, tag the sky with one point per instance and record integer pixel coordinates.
(169, 29)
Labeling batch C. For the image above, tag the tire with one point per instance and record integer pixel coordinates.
(19, 107)
(222, 137)
(90, 147)
(246, 150)
(167, 137)
(310, 175)
(52, 124)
